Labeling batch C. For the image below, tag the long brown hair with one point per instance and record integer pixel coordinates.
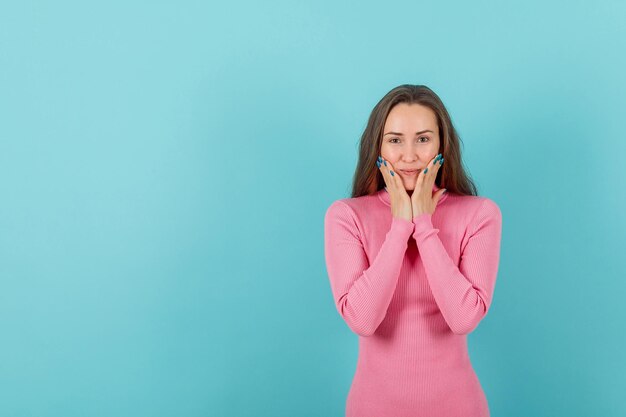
(451, 175)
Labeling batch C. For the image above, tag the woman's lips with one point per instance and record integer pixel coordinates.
(409, 173)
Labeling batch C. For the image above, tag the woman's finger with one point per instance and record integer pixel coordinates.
(397, 179)
(430, 172)
(393, 175)
(393, 179)
(384, 171)
(436, 166)
(420, 177)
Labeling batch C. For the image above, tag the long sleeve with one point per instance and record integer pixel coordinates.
(362, 292)
(464, 293)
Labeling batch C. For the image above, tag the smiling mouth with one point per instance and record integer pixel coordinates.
(413, 172)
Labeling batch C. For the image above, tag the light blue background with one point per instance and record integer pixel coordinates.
(165, 168)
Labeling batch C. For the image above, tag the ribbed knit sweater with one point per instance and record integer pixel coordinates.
(412, 291)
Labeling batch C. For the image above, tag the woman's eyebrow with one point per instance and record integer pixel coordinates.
(400, 134)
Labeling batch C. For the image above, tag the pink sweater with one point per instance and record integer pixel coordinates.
(412, 291)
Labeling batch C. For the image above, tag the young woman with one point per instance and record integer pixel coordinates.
(412, 259)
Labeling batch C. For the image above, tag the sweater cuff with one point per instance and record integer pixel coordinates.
(401, 227)
(423, 222)
(423, 227)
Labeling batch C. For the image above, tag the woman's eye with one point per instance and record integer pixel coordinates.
(421, 137)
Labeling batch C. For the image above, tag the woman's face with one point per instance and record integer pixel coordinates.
(410, 140)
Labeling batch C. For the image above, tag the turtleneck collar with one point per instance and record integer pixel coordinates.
(384, 195)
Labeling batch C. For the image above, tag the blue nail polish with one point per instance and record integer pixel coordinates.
(437, 158)
(392, 174)
(378, 164)
(441, 161)
(385, 162)
(426, 170)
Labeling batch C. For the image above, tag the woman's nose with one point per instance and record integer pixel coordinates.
(409, 157)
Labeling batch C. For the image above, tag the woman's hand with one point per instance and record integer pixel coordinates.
(400, 200)
(423, 200)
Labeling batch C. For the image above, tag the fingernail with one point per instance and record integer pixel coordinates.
(426, 170)
(437, 158)
(391, 172)
(441, 161)
(385, 162)
(378, 164)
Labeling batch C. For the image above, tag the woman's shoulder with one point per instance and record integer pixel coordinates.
(479, 208)
(353, 209)
(355, 203)
(343, 206)
(475, 201)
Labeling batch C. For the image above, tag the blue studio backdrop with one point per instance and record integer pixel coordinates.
(165, 168)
